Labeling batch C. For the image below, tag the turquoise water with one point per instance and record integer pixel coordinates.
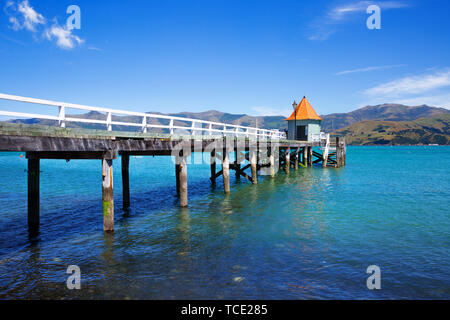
(309, 234)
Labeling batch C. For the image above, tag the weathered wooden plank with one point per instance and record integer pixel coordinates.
(245, 176)
(218, 174)
(74, 155)
(71, 140)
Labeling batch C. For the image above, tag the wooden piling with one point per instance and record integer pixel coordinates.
(325, 157)
(305, 157)
(183, 181)
(272, 162)
(33, 194)
(237, 163)
(226, 169)
(297, 155)
(344, 151)
(177, 177)
(213, 167)
(108, 198)
(287, 161)
(310, 157)
(338, 153)
(254, 165)
(126, 180)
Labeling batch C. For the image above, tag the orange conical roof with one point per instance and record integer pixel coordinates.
(304, 111)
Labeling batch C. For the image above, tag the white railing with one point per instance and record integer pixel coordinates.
(317, 137)
(194, 126)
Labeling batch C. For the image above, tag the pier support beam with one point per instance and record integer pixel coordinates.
(213, 167)
(182, 181)
(226, 170)
(344, 151)
(305, 156)
(126, 180)
(237, 163)
(254, 165)
(310, 156)
(297, 155)
(108, 198)
(272, 162)
(177, 177)
(325, 157)
(338, 153)
(33, 194)
(287, 161)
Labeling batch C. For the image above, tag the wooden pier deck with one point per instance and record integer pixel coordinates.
(255, 153)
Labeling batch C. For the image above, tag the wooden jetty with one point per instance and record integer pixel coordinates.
(255, 150)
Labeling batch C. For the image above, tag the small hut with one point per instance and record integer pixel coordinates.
(304, 123)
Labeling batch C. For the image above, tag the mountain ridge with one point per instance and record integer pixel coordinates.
(382, 112)
(360, 126)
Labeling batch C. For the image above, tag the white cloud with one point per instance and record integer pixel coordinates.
(431, 89)
(367, 69)
(15, 23)
(342, 12)
(63, 36)
(411, 85)
(321, 35)
(23, 16)
(326, 25)
(442, 100)
(94, 48)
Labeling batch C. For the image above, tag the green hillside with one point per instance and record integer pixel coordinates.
(434, 130)
(382, 112)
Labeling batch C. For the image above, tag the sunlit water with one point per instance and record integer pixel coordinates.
(309, 234)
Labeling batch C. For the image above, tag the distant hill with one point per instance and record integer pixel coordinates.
(435, 130)
(385, 112)
(381, 124)
(264, 122)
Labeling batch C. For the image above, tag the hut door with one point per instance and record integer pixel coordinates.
(301, 133)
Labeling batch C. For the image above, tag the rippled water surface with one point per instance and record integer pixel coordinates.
(309, 234)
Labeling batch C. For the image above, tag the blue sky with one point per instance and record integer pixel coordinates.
(243, 56)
